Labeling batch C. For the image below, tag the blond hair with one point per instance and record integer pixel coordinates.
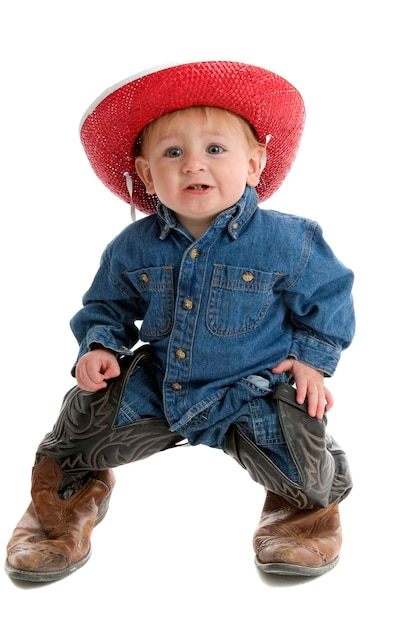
(224, 117)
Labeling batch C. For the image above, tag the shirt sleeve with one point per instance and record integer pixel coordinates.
(321, 307)
(111, 308)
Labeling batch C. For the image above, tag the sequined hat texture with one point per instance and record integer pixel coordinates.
(111, 125)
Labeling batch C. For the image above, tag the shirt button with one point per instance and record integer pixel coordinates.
(180, 354)
(176, 386)
(187, 304)
(145, 278)
(247, 277)
(194, 253)
(235, 225)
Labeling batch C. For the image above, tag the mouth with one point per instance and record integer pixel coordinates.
(197, 187)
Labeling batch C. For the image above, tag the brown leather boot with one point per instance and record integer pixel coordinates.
(52, 540)
(297, 542)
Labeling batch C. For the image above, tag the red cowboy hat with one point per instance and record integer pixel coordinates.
(111, 125)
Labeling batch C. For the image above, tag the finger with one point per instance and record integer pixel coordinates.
(283, 366)
(312, 404)
(315, 401)
(302, 391)
(112, 372)
(95, 376)
(321, 404)
(329, 400)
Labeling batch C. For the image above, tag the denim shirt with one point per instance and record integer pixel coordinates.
(256, 287)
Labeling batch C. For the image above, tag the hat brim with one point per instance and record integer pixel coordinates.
(111, 125)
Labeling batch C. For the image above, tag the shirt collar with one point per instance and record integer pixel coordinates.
(234, 218)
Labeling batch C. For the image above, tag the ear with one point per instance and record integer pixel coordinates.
(255, 166)
(143, 170)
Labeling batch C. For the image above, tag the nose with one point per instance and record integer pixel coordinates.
(193, 163)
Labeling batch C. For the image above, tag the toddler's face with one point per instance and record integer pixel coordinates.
(198, 162)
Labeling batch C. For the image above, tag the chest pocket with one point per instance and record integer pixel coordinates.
(239, 299)
(156, 287)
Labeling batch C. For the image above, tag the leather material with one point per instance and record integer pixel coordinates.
(72, 479)
(294, 542)
(321, 463)
(84, 437)
(52, 539)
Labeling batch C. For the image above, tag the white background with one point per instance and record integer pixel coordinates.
(176, 546)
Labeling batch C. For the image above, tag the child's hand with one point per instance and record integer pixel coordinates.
(310, 384)
(94, 368)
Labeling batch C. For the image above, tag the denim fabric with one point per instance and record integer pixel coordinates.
(258, 286)
(248, 404)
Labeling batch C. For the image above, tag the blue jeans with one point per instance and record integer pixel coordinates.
(248, 404)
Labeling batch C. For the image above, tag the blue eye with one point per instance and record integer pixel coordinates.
(172, 153)
(214, 149)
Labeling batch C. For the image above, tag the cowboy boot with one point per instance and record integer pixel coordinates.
(52, 539)
(73, 479)
(324, 474)
(297, 542)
